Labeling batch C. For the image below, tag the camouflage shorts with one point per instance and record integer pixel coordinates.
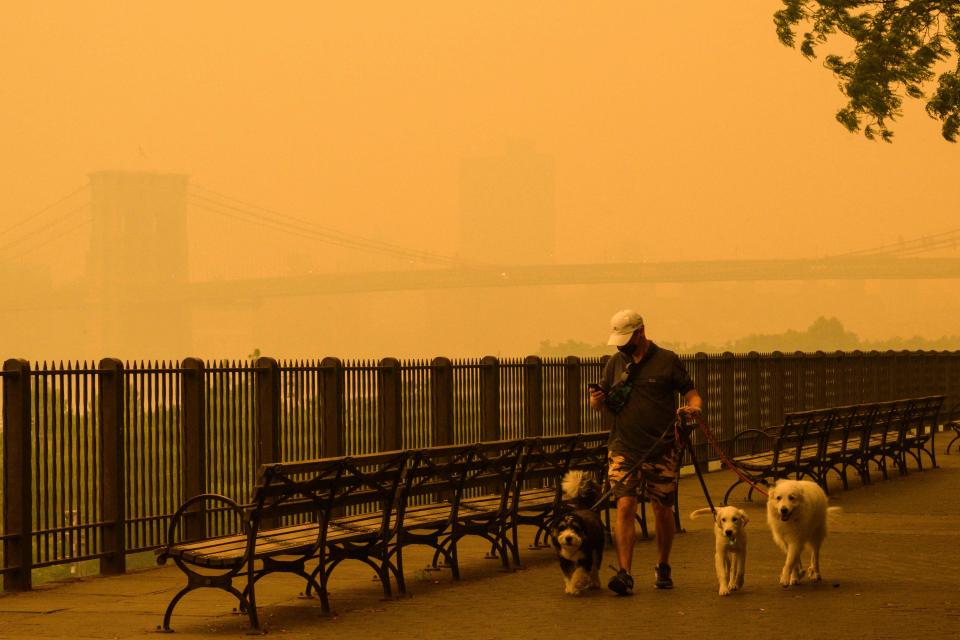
(660, 476)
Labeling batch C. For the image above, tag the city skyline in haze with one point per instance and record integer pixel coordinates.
(674, 132)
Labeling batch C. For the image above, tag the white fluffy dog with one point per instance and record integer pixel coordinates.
(730, 556)
(797, 516)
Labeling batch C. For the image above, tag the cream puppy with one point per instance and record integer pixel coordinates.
(730, 555)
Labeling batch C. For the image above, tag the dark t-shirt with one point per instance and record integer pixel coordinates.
(651, 406)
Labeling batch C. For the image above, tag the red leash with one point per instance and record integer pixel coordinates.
(716, 447)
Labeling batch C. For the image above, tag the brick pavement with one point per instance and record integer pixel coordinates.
(891, 565)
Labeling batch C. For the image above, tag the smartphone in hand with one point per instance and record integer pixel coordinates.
(593, 386)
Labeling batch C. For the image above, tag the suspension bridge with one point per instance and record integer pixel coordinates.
(76, 213)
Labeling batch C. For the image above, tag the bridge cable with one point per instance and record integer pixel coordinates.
(46, 227)
(328, 235)
(43, 210)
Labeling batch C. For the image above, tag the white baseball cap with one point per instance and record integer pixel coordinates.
(622, 325)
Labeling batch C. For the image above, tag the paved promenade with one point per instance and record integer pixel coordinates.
(891, 567)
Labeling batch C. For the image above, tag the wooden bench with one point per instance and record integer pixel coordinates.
(455, 491)
(844, 449)
(919, 430)
(296, 515)
(814, 443)
(880, 439)
(792, 449)
(537, 495)
(952, 421)
(369, 508)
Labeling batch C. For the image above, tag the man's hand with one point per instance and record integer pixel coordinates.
(689, 417)
(597, 396)
(688, 411)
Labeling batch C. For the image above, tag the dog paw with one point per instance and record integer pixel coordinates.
(734, 587)
(813, 574)
(724, 591)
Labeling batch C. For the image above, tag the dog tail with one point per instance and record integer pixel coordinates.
(571, 484)
(580, 488)
(700, 512)
(833, 512)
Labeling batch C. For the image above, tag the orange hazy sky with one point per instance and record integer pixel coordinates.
(678, 130)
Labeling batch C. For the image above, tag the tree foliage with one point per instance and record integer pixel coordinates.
(899, 47)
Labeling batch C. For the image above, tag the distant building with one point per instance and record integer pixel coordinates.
(508, 212)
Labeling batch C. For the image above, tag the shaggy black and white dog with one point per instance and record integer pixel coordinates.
(578, 535)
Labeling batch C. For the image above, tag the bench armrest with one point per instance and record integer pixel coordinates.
(162, 552)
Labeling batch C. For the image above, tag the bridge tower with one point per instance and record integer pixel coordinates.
(137, 265)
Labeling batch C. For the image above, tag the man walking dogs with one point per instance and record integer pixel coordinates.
(637, 394)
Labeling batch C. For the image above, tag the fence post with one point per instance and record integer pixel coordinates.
(701, 378)
(441, 383)
(799, 370)
(819, 370)
(17, 480)
(872, 365)
(193, 400)
(490, 398)
(268, 409)
(842, 385)
(776, 386)
(113, 481)
(390, 396)
(727, 412)
(753, 390)
(532, 396)
(573, 392)
(332, 441)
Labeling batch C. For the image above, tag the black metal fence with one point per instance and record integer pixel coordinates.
(97, 457)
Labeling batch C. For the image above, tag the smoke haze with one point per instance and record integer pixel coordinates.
(437, 135)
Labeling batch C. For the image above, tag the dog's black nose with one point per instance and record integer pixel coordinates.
(728, 533)
(784, 511)
(568, 540)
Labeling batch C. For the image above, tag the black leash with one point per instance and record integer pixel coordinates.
(685, 438)
(630, 471)
(685, 441)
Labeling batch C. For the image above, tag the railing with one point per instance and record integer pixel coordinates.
(96, 458)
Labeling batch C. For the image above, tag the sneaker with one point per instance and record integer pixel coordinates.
(621, 583)
(663, 577)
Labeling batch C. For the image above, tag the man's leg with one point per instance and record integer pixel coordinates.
(624, 529)
(625, 532)
(661, 479)
(663, 518)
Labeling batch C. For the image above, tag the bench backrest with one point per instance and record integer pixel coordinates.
(928, 413)
(850, 423)
(494, 468)
(438, 472)
(590, 453)
(313, 488)
(886, 424)
(800, 430)
(545, 460)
